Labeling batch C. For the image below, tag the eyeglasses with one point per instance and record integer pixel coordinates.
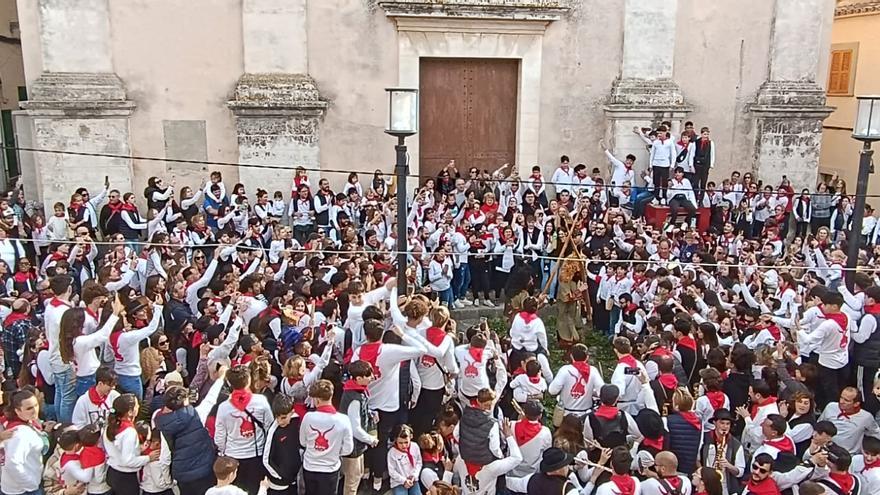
(757, 468)
(163, 342)
(198, 258)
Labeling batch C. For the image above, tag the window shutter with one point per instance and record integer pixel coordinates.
(841, 72)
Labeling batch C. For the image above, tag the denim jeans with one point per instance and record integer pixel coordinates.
(131, 385)
(550, 267)
(65, 394)
(461, 280)
(39, 491)
(446, 296)
(84, 383)
(400, 490)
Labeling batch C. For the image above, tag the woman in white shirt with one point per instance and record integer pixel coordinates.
(123, 446)
(79, 349)
(23, 466)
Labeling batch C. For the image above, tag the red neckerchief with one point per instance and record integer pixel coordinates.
(767, 486)
(668, 381)
(527, 317)
(96, 399)
(114, 345)
(688, 342)
(13, 317)
(625, 483)
(871, 465)
(716, 399)
(654, 443)
(240, 399)
(872, 309)
(408, 452)
(91, 456)
(525, 430)
(369, 352)
(674, 482)
(692, 419)
(124, 425)
(476, 353)
(768, 400)
(352, 384)
(329, 409)
(842, 322)
(430, 457)
(55, 303)
(435, 336)
(842, 414)
(92, 313)
(128, 207)
(660, 352)
(24, 277)
(535, 379)
(583, 368)
(782, 444)
(65, 458)
(607, 412)
(844, 480)
(628, 360)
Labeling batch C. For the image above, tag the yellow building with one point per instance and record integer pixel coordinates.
(854, 70)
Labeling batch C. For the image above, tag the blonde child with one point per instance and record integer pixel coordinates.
(57, 227)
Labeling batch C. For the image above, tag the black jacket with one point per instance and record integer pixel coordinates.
(283, 459)
(192, 449)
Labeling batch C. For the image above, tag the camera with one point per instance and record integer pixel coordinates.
(632, 371)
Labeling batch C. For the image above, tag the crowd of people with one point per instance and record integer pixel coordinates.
(230, 341)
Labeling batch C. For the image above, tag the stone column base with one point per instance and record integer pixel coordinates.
(277, 119)
(788, 132)
(641, 103)
(77, 112)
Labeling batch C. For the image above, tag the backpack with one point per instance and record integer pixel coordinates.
(609, 433)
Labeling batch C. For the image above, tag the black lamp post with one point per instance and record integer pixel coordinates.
(403, 121)
(866, 130)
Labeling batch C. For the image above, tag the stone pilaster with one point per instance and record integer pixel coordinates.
(790, 106)
(77, 104)
(645, 93)
(277, 106)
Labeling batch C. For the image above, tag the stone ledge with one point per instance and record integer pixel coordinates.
(646, 95)
(549, 10)
(789, 98)
(78, 94)
(276, 94)
(857, 9)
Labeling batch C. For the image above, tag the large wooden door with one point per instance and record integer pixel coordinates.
(468, 110)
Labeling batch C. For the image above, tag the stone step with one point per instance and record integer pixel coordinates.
(470, 315)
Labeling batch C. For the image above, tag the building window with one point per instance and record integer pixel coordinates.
(841, 79)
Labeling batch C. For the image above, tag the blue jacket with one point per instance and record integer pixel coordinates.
(684, 442)
(192, 450)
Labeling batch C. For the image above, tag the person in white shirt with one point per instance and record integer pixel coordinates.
(124, 344)
(621, 171)
(123, 446)
(661, 158)
(93, 406)
(21, 472)
(563, 177)
(763, 405)
(386, 360)
(576, 384)
(241, 426)
(440, 277)
(852, 422)
(529, 385)
(326, 436)
(668, 480)
(532, 437)
(78, 348)
(404, 462)
(681, 195)
(831, 341)
(63, 373)
(867, 465)
(225, 470)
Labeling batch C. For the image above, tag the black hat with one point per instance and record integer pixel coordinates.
(722, 414)
(650, 423)
(247, 342)
(555, 458)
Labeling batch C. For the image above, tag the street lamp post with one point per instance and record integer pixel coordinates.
(866, 130)
(403, 121)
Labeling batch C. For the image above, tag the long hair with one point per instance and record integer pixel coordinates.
(123, 407)
(711, 481)
(71, 327)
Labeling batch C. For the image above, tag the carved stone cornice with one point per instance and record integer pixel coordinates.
(854, 9)
(791, 98)
(642, 95)
(545, 10)
(276, 94)
(78, 94)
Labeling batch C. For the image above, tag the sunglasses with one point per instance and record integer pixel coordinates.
(198, 257)
(163, 342)
(757, 468)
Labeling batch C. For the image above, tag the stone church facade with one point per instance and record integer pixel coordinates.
(301, 83)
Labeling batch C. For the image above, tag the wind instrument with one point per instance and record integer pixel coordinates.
(720, 449)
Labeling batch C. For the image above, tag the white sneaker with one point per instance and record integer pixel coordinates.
(465, 302)
(457, 305)
(489, 304)
(655, 201)
(476, 303)
(663, 202)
